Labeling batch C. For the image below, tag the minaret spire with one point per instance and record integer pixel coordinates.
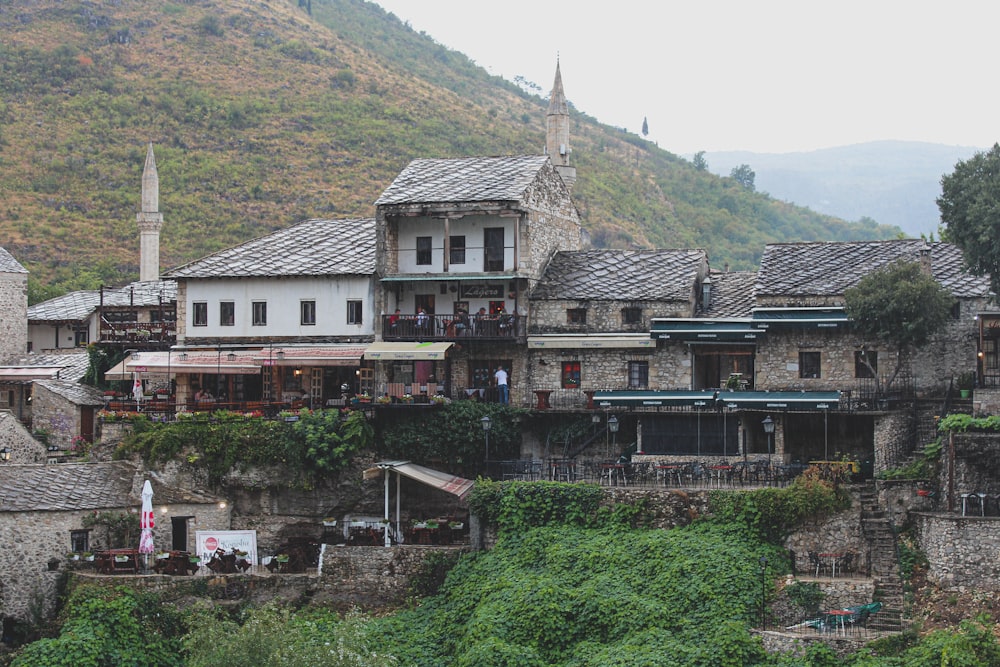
(150, 221)
(557, 131)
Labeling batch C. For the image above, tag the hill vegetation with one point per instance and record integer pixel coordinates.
(262, 115)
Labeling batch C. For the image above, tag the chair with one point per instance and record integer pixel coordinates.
(814, 560)
(396, 389)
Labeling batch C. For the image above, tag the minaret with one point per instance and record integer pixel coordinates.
(150, 221)
(557, 132)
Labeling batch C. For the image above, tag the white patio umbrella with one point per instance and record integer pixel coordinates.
(137, 388)
(146, 523)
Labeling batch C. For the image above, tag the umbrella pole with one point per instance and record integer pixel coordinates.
(385, 523)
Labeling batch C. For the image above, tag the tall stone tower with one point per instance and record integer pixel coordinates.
(13, 308)
(150, 221)
(557, 132)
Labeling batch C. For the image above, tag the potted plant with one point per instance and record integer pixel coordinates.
(88, 556)
(966, 382)
(72, 556)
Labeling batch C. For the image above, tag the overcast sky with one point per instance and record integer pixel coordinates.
(769, 76)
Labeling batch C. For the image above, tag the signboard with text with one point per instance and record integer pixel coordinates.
(207, 541)
(480, 291)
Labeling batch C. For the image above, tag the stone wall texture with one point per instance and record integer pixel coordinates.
(961, 551)
(13, 316)
(57, 416)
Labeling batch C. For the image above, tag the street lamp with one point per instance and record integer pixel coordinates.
(487, 423)
(763, 591)
(768, 424)
(4, 454)
(613, 427)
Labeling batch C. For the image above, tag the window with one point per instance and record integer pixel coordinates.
(7, 398)
(227, 313)
(424, 254)
(354, 312)
(571, 375)
(82, 337)
(638, 374)
(631, 315)
(493, 249)
(308, 312)
(200, 315)
(259, 313)
(956, 310)
(861, 369)
(79, 540)
(809, 365)
(576, 315)
(457, 253)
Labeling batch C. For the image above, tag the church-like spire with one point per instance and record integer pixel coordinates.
(557, 131)
(150, 221)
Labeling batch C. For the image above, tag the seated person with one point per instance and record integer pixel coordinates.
(202, 396)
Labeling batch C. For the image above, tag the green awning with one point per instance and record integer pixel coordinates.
(683, 399)
(816, 317)
(781, 400)
(706, 331)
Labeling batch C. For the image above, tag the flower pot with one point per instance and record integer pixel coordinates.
(965, 393)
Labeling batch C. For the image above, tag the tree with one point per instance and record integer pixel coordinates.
(699, 161)
(744, 175)
(970, 210)
(645, 127)
(898, 305)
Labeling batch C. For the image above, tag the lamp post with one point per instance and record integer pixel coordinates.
(487, 423)
(4, 455)
(613, 427)
(768, 424)
(763, 591)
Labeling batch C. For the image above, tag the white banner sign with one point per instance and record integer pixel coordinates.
(207, 541)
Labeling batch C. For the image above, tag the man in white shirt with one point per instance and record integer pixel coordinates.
(502, 389)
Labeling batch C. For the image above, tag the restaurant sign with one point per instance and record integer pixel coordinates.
(480, 291)
(207, 541)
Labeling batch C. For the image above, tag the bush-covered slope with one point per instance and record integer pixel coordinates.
(262, 115)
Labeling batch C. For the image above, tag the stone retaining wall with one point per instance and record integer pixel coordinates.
(961, 551)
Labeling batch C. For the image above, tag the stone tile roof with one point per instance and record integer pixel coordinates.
(470, 179)
(309, 248)
(78, 306)
(74, 392)
(630, 275)
(828, 269)
(732, 294)
(8, 264)
(67, 486)
(83, 486)
(73, 364)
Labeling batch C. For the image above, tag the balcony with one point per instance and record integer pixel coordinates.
(450, 328)
(139, 335)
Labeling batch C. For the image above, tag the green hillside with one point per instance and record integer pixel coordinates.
(262, 115)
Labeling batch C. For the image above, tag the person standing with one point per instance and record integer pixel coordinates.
(503, 390)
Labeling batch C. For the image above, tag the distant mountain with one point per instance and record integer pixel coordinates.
(263, 114)
(892, 182)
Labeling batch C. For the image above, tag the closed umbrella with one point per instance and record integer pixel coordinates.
(146, 523)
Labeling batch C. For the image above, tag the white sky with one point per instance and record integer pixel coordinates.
(768, 76)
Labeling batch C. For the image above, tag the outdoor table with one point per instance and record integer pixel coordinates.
(719, 472)
(839, 618)
(117, 561)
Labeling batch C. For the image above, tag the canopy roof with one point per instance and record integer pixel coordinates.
(458, 486)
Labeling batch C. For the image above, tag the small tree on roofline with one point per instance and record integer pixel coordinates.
(898, 305)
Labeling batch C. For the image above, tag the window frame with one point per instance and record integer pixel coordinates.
(631, 315)
(576, 316)
(808, 360)
(456, 249)
(227, 307)
(259, 317)
(570, 374)
(424, 247)
(199, 314)
(355, 311)
(638, 374)
(307, 312)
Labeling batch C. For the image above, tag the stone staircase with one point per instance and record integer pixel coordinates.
(883, 562)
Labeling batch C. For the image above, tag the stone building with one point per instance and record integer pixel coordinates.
(66, 411)
(13, 308)
(42, 519)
